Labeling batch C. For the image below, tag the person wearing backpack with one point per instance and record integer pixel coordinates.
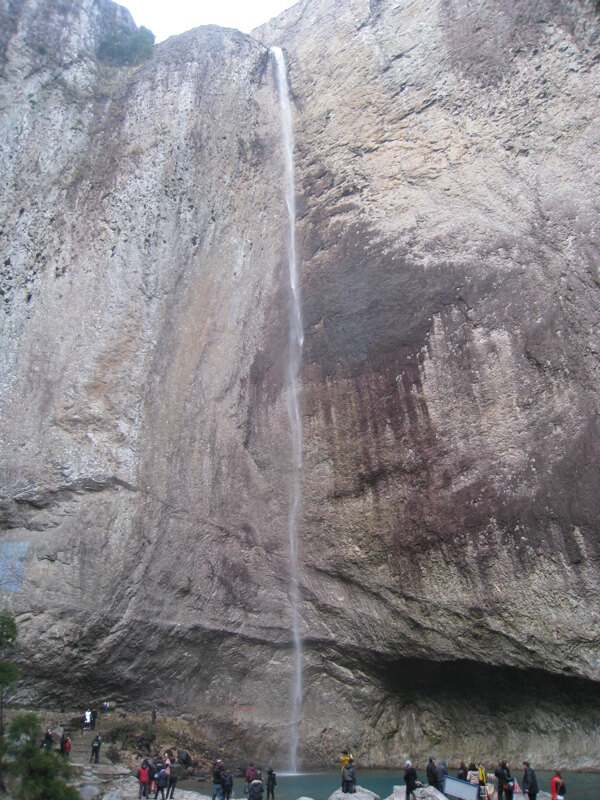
(96, 743)
(144, 779)
(255, 792)
(349, 777)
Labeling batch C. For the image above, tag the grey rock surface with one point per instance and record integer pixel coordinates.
(447, 174)
(360, 794)
(399, 793)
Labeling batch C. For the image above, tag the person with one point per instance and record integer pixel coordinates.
(482, 781)
(47, 742)
(432, 773)
(153, 769)
(271, 784)
(440, 772)
(473, 774)
(154, 711)
(557, 786)
(93, 718)
(96, 743)
(410, 779)
(255, 792)
(345, 756)
(88, 718)
(172, 783)
(67, 750)
(500, 777)
(349, 777)
(144, 779)
(251, 774)
(217, 772)
(227, 784)
(161, 783)
(508, 781)
(530, 784)
(105, 707)
(462, 772)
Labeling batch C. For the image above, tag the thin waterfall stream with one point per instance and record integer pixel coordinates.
(296, 342)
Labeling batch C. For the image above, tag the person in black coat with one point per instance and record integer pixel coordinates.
(462, 772)
(271, 784)
(440, 772)
(349, 777)
(500, 775)
(432, 773)
(410, 779)
(508, 781)
(530, 784)
(227, 784)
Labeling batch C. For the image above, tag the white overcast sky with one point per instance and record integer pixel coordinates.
(168, 17)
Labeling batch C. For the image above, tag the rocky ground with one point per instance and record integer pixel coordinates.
(127, 739)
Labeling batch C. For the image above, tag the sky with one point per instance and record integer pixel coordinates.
(168, 17)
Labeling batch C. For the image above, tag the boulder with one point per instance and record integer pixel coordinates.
(359, 794)
(184, 758)
(399, 793)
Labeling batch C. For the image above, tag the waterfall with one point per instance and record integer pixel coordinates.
(296, 341)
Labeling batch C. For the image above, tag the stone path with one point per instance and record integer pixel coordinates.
(105, 780)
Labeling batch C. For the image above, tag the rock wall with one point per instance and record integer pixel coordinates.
(447, 172)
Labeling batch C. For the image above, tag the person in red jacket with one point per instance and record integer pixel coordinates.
(557, 787)
(251, 775)
(144, 779)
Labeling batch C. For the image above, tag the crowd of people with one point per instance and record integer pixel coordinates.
(158, 777)
(155, 775)
(500, 785)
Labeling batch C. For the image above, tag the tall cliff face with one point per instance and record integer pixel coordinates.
(447, 163)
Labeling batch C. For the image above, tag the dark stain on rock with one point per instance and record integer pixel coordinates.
(370, 298)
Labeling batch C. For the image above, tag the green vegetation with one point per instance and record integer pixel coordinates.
(126, 47)
(41, 773)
